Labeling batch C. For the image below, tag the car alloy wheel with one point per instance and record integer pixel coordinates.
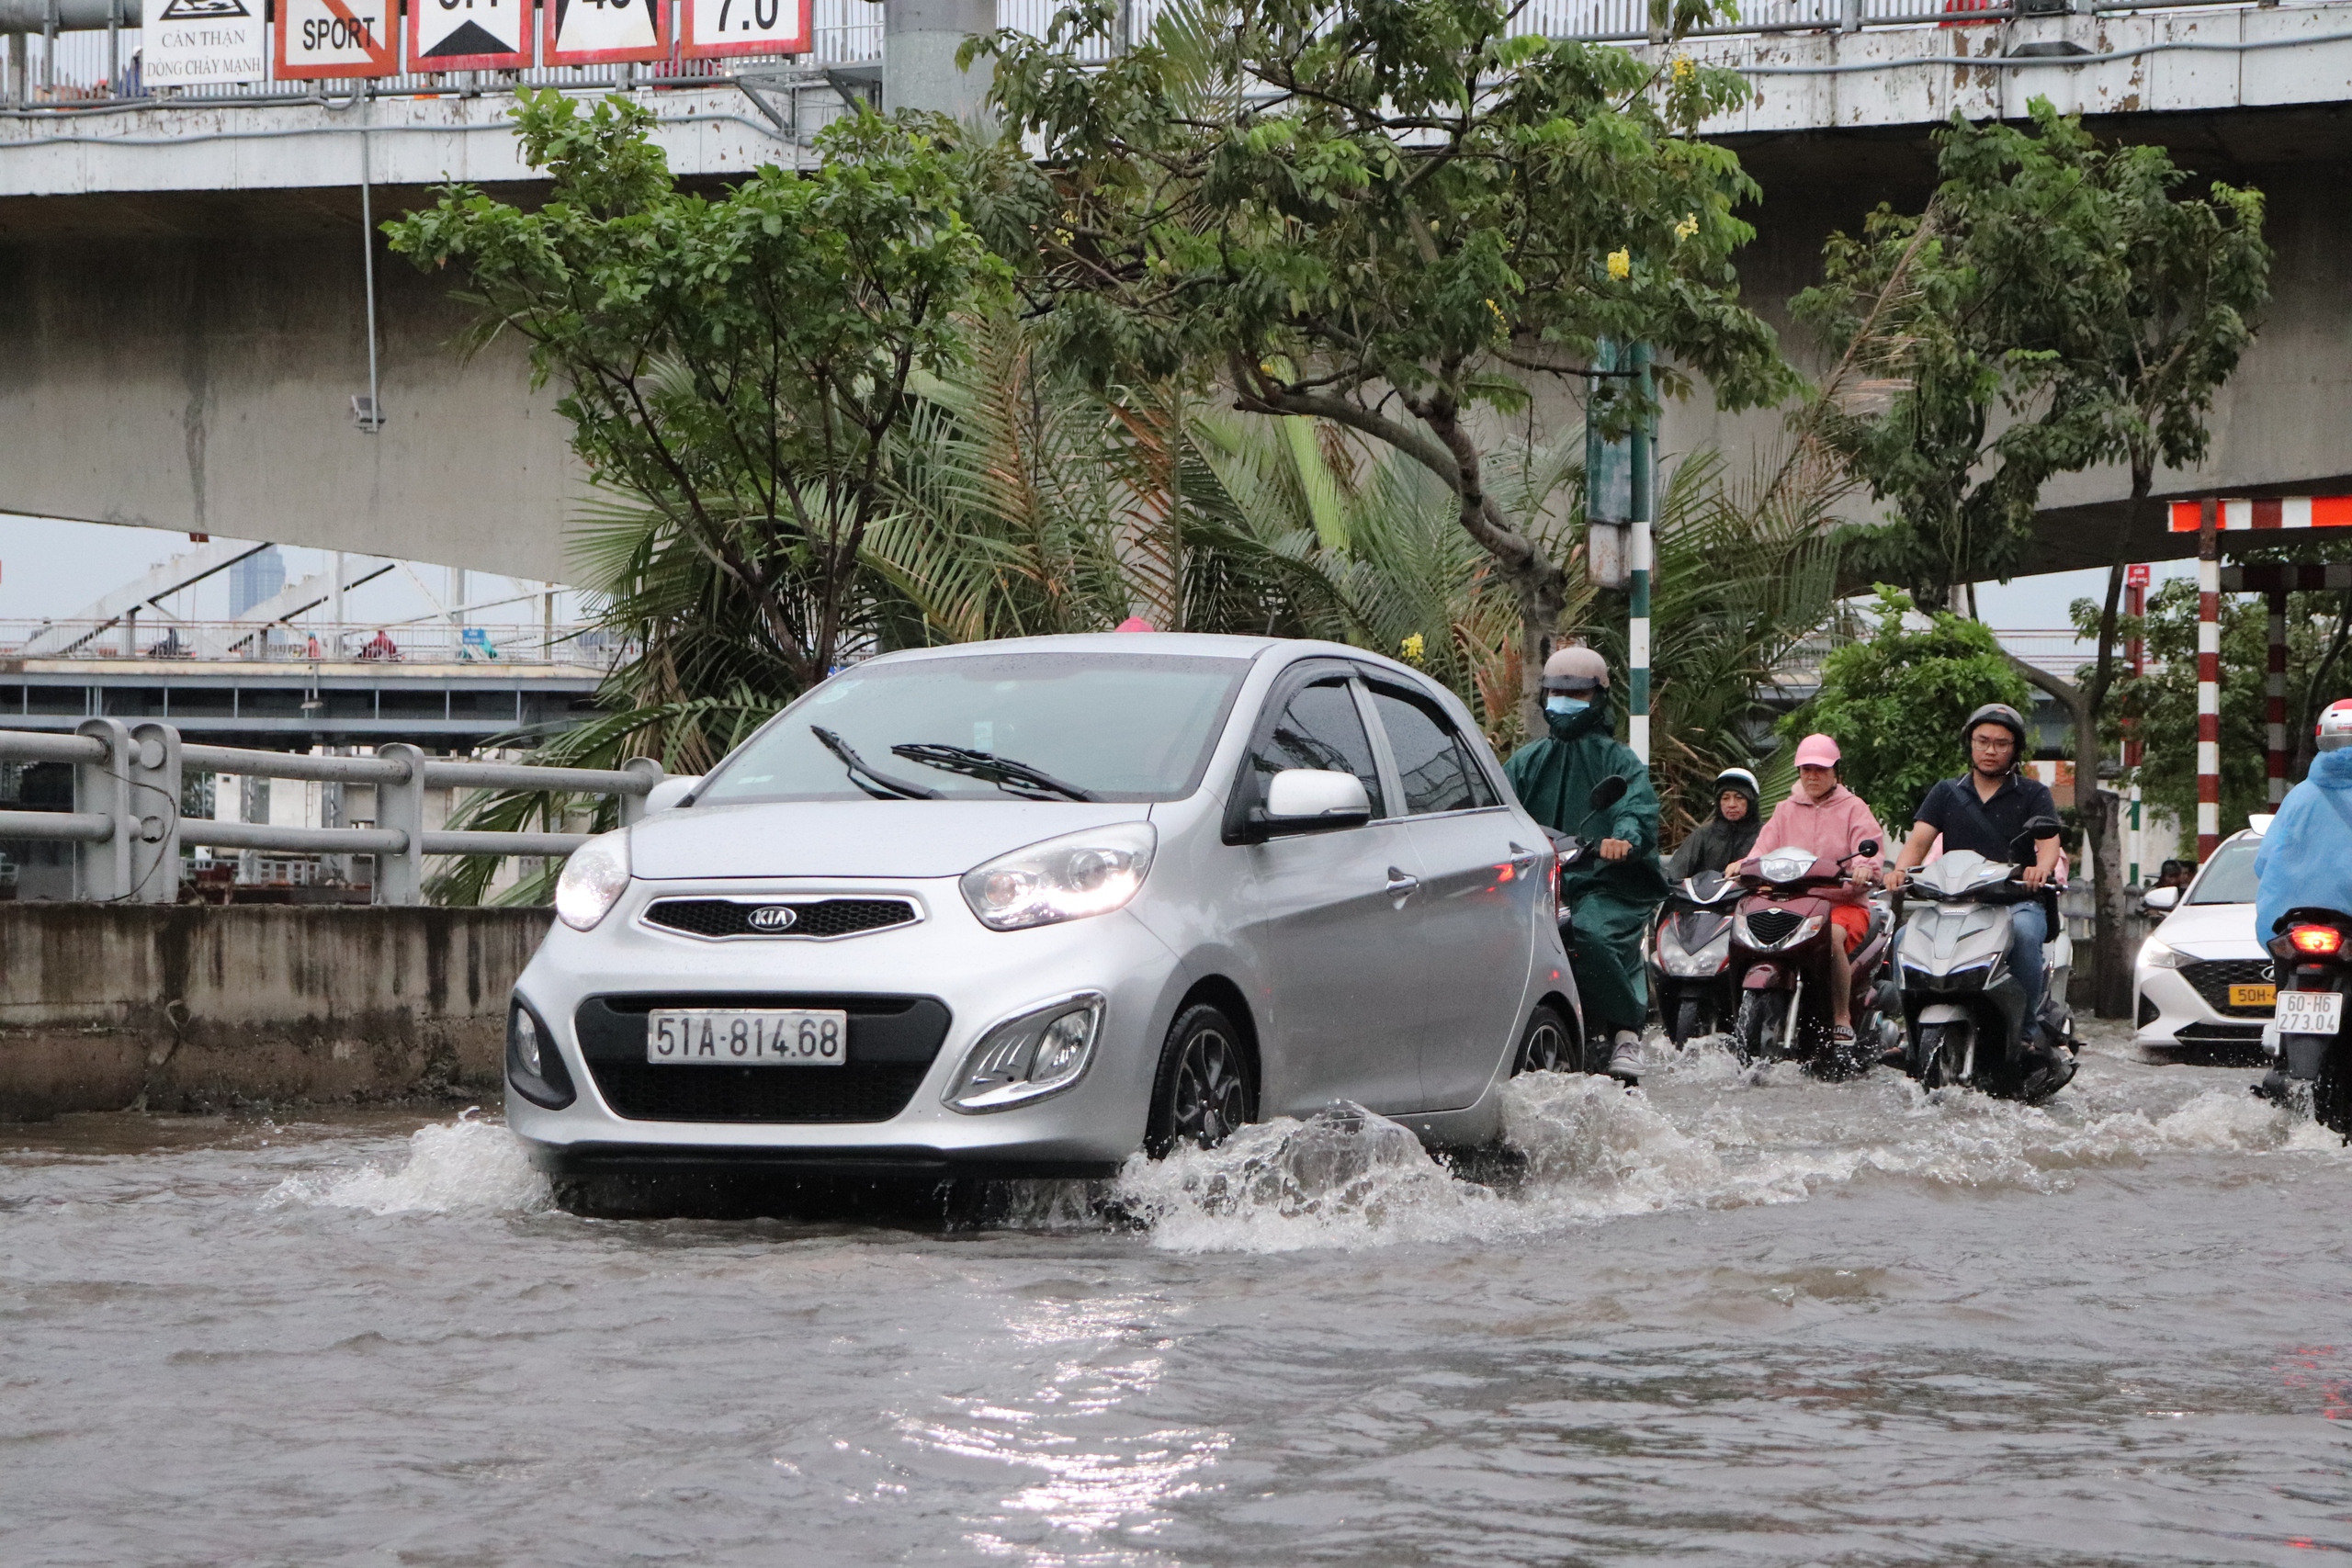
(1203, 1091)
(1549, 1045)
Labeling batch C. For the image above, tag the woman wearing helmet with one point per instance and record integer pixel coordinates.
(1827, 820)
(1985, 810)
(1725, 836)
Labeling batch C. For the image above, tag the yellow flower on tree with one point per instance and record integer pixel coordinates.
(1688, 227)
(1413, 648)
(1621, 265)
(1684, 70)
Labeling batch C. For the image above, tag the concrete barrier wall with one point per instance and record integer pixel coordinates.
(194, 1008)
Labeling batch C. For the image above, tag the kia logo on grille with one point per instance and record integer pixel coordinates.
(773, 917)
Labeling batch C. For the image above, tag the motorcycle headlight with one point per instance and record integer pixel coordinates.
(592, 880)
(1042, 1051)
(1069, 878)
(2156, 955)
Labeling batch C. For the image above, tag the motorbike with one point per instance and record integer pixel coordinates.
(1779, 949)
(2315, 1052)
(1689, 953)
(1963, 1006)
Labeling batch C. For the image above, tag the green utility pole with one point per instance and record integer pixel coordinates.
(1637, 634)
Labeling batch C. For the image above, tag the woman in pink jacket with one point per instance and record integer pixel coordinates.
(1828, 821)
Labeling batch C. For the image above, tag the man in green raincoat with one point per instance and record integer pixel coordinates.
(1614, 892)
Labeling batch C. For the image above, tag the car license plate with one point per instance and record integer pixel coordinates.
(2309, 1012)
(723, 1037)
(2254, 996)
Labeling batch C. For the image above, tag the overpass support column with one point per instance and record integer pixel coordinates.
(2274, 696)
(2209, 686)
(919, 39)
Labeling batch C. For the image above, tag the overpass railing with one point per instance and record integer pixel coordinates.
(152, 639)
(127, 829)
(69, 71)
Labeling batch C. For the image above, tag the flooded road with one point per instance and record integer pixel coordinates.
(1722, 1321)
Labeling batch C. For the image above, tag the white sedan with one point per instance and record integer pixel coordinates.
(2203, 985)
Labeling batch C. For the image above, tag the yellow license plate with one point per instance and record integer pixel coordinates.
(2254, 996)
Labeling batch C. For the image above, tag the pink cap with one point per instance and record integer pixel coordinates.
(1134, 624)
(1816, 752)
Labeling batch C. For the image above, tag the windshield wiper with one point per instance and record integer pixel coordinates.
(884, 787)
(1014, 778)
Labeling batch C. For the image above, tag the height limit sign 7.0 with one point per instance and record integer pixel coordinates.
(746, 26)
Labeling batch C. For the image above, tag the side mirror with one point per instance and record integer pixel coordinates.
(672, 791)
(1866, 849)
(1606, 792)
(2044, 827)
(2157, 900)
(1301, 799)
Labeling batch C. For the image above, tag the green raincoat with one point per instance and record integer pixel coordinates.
(1613, 900)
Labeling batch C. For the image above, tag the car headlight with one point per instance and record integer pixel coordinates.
(592, 880)
(1069, 878)
(1042, 1051)
(2156, 955)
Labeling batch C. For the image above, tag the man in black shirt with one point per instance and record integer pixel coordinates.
(1985, 810)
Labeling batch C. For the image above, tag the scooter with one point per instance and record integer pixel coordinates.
(2314, 1050)
(1779, 948)
(1964, 1007)
(1689, 953)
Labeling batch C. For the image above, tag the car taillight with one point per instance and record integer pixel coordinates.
(1558, 908)
(2325, 941)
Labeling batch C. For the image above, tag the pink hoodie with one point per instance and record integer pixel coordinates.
(1834, 826)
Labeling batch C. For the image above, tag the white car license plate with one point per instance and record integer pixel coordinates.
(2309, 1012)
(725, 1037)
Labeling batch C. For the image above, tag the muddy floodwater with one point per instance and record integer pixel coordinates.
(1723, 1320)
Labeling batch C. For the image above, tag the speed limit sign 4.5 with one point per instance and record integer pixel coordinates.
(746, 26)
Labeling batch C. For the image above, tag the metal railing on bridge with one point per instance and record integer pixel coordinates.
(127, 829)
(81, 71)
(153, 638)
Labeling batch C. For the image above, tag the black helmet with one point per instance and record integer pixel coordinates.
(2007, 718)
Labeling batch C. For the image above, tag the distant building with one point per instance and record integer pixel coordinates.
(259, 576)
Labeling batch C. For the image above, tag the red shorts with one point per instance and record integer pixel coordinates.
(1854, 920)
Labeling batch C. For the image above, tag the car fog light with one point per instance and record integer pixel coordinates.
(592, 880)
(526, 1042)
(1040, 1052)
(533, 1067)
(1069, 878)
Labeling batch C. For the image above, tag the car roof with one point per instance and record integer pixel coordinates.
(1197, 645)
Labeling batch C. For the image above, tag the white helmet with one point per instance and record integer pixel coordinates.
(2334, 727)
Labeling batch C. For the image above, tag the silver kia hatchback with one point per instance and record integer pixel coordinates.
(1026, 908)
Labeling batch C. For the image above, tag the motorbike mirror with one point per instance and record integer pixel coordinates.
(1606, 792)
(2044, 827)
(1867, 848)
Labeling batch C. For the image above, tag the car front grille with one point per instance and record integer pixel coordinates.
(1766, 928)
(811, 919)
(2212, 978)
(892, 1041)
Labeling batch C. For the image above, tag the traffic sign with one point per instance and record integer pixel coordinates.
(204, 40)
(746, 26)
(2136, 575)
(336, 38)
(469, 35)
(583, 32)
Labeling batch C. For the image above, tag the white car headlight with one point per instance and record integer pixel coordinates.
(1069, 878)
(2156, 955)
(1042, 1051)
(592, 880)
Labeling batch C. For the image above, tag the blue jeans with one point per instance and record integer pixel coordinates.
(2029, 929)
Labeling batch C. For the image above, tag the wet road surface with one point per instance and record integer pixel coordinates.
(1726, 1320)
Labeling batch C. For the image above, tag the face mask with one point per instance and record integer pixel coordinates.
(1564, 707)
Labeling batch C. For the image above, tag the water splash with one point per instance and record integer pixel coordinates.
(460, 1165)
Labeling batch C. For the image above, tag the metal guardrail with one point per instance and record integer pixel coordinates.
(127, 792)
(355, 643)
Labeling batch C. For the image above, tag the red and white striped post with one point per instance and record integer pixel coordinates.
(2209, 684)
(2135, 605)
(2274, 697)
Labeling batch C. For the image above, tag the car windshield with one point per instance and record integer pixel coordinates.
(2228, 877)
(1131, 728)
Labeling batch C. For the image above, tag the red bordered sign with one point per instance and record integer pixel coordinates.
(745, 27)
(335, 39)
(469, 35)
(584, 32)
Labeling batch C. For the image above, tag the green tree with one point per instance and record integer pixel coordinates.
(1895, 701)
(2069, 286)
(738, 365)
(1390, 215)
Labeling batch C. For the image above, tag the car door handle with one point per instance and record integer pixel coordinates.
(1521, 860)
(1401, 883)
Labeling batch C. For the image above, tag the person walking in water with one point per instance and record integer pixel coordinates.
(1615, 891)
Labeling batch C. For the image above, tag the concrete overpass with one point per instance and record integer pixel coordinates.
(183, 300)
